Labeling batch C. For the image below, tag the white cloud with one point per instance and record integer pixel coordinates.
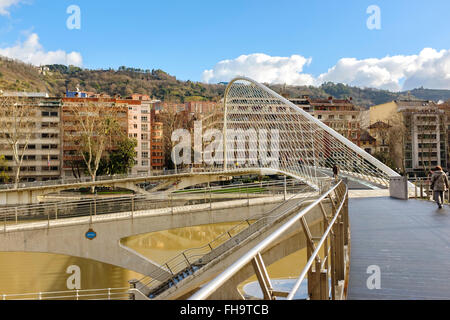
(5, 4)
(430, 69)
(31, 51)
(262, 68)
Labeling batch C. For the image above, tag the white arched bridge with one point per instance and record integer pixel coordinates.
(289, 139)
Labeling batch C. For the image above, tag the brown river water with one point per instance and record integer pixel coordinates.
(40, 272)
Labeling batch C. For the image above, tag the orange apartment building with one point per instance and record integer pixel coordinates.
(157, 157)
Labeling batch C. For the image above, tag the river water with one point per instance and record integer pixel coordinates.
(41, 272)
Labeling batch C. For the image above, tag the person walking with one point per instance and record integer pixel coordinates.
(439, 183)
(335, 172)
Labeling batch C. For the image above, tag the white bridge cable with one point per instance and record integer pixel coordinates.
(259, 125)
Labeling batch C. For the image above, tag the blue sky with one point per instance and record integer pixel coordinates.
(185, 38)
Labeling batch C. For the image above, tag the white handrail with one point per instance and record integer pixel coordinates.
(218, 281)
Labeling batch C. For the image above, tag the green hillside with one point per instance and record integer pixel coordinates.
(18, 76)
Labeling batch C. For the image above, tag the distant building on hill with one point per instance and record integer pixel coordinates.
(25, 94)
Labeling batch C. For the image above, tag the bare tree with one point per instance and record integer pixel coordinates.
(94, 128)
(17, 122)
(172, 120)
(396, 141)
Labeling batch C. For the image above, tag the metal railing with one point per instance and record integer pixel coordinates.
(319, 270)
(159, 173)
(191, 260)
(132, 204)
(81, 180)
(422, 189)
(88, 294)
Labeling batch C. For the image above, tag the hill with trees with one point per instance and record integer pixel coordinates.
(55, 79)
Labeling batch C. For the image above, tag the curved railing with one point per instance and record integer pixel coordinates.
(191, 260)
(330, 267)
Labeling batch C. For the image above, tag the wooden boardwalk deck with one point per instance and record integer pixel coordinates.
(410, 243)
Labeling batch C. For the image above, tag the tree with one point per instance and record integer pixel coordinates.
(172, 120)
(121, 160)
(3, 169)
(385, 158)
(17, 123)
(95, 128)
(396, 139)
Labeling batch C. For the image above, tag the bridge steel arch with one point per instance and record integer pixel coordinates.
(306, 147)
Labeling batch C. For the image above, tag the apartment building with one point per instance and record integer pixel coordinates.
(42, 155)
(157, 145)
(72, 161)
(201, 107)
(139, 128)
(339, 114)
(420, 132)
(445, 107)
(368, 142)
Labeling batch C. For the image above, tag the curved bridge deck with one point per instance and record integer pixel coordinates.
(410, 243)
